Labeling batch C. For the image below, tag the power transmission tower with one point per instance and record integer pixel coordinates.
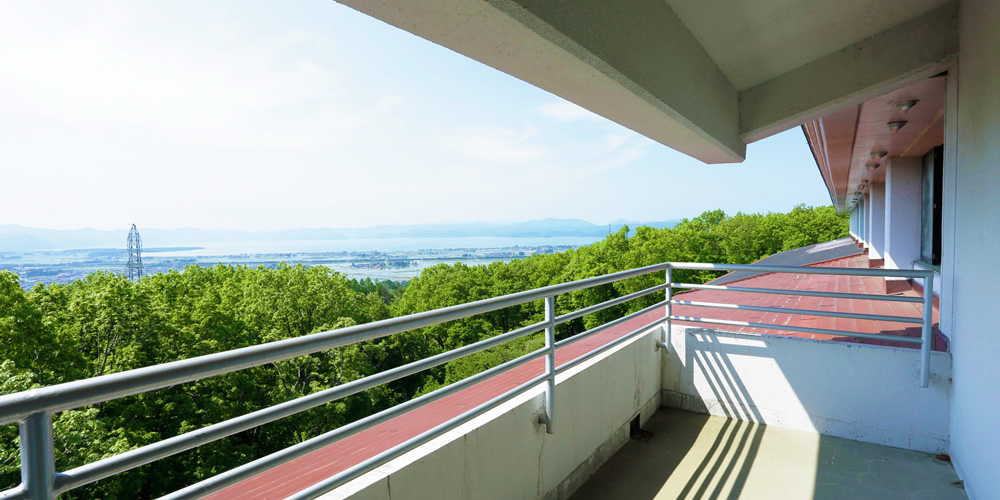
(134, 267)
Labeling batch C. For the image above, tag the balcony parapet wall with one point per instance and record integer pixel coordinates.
(855, 391)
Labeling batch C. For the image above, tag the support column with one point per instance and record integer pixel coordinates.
(903, 192)
(867, 236)
(877, 232)
(975, 444)
(860, 231)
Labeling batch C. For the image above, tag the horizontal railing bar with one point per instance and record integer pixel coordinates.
(804, 293)
(277, 458)
(609, 303)
(610, 345)
(609, 324)
(844, 271)
(362, 468)
(231, 477)
(823, 331)
(119, 463)
(804, 312)
(15, 407)
(17, 493)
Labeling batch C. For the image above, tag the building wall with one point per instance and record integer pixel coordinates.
(812, 386)
(976, 315)
(903, 192)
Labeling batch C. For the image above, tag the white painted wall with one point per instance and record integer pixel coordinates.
(976, 315)
(903, 192)
(877, 197)
(855, 391)
(504, 454)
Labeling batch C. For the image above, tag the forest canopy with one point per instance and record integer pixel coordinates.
(104, 324)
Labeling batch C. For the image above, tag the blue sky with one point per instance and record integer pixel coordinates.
(268, 115)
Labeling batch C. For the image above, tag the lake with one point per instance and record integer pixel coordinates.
(367, 244)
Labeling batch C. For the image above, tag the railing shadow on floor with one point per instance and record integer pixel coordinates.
(747, 429)
(653, 467)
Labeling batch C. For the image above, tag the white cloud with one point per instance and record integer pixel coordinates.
(496, 146)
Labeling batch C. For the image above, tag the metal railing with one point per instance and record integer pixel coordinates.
(926, 332)
(33, 409)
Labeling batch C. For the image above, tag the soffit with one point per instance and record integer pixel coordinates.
(923, 131)
(753, 41)
(843, 142)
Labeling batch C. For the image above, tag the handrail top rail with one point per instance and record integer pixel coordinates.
(15, 407)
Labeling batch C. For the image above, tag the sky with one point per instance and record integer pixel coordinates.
(274, 115)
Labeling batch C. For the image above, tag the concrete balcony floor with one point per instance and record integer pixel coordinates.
(686, 455)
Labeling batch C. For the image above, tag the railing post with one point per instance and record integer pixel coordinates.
(38, 463)
(665, 343)
(926, 334)
(670, 294)
(548, 418)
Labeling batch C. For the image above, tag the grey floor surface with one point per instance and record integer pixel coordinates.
(687, 455)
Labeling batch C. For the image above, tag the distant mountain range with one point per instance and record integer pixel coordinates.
(15, 238)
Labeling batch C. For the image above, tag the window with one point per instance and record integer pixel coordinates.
(930, 226)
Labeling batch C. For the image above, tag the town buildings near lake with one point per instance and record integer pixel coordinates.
(873, 374)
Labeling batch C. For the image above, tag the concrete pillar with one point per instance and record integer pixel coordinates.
(858, 226)
(877, 242)
(903, 192)
(868, 221)
(975, 442)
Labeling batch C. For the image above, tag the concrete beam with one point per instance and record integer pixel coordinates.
(633, 62)
(892, 59)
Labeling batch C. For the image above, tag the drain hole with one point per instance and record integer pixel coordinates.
(636, 432)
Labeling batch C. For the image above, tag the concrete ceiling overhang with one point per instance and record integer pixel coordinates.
(852, 145)
(704, 78)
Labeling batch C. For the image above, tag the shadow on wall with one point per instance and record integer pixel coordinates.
(735, 447)
(860, 392)
(685, 455)
(786, 404)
